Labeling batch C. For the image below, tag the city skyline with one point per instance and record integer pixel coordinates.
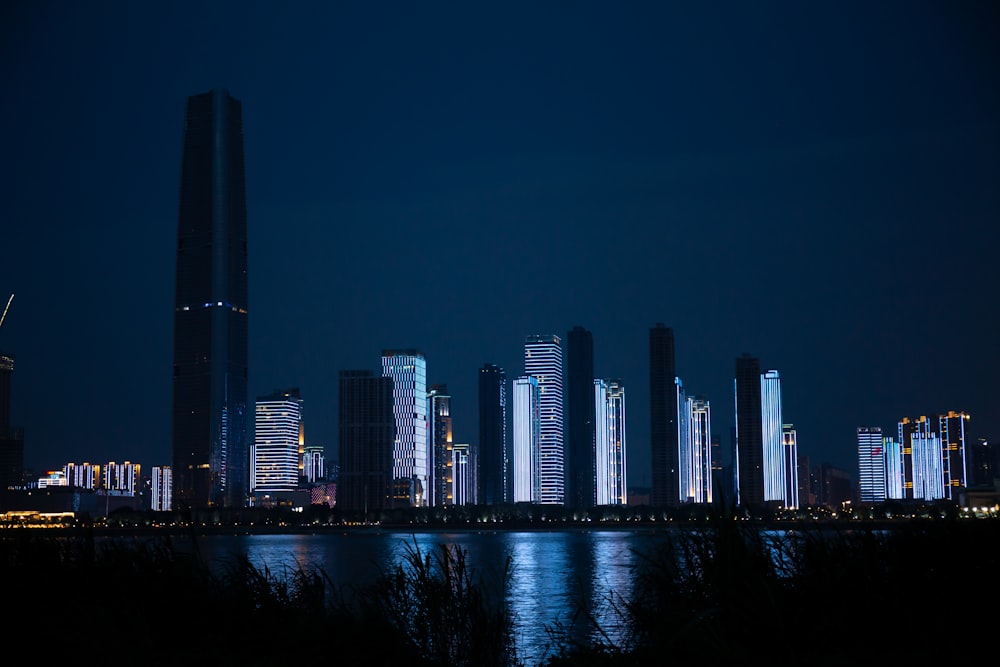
(442, 185)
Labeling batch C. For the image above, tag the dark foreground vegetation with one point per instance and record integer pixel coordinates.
(726, 593)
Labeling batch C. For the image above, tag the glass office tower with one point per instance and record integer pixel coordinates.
(277, 425)
(411, 459)
(209, 424)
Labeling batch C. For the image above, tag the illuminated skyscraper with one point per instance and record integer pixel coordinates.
(160, 498)
(210, 454)
(493, 462)
(789, 451)
(762, 476)
(463, 474)
(951, 428)
(871, 464)
(439, 403)
(664, 440)
(774, 451)
(526, 475)
(580, 478)
(543, 360)
(695, 449)
(367, 432)
(277, 427)
(609, 434)
(411, 459)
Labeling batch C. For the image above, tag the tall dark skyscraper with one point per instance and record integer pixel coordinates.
(494, 454)
(367, 432)
(581, 484)
(210, 310)
(749, 455)
(663, 428)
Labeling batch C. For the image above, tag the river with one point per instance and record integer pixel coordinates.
(554, 573)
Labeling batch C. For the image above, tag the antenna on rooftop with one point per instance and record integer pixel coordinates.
(6, 308)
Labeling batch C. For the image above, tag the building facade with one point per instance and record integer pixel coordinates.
(442, 483)
(526, 474)
(412, 459)
(664, 433)
(493, 466)
(696, 449)
(275, 457)
(871, 465)
(543, 360)
(209, 424)
(367, 434)
(581, 485)
(610, 464)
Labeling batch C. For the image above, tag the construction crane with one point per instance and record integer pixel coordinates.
(7, 307)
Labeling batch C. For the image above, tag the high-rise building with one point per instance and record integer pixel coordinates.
(314, 463)
(749, 454)
(695, 418)
(122, 478)
(160, 499)
(951, 428)
(790, 452)
(543, 360)
(463, 473)
(610, 465)
(11, 439)
(411, 461)
(580, 427)
(762, 465)
(275, 456)
(664, 439)
(933, 455)
(871, 464)
(439, 403)
(367, 433)
(493, 466)
(83, 475)
(210, 456)
(775, 482)
(526, 478)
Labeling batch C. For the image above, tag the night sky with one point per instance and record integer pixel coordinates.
(814, 183)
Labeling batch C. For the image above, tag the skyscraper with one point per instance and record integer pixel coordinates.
(696, 450)
(663, 427)
(367, 432)
(411, 459)
(439, 404)
(526, 479)
(580, 479)
(494, 453)
(210, 455)
(543, 360)
(871, 464)
(749, 455)
(790, 453)
(610, 464)
(277, 426)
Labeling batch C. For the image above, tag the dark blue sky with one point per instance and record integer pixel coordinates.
(817, 184)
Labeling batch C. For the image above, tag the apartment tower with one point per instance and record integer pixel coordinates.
(543, 360)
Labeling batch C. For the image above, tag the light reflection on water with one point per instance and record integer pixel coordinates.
(554, 573)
